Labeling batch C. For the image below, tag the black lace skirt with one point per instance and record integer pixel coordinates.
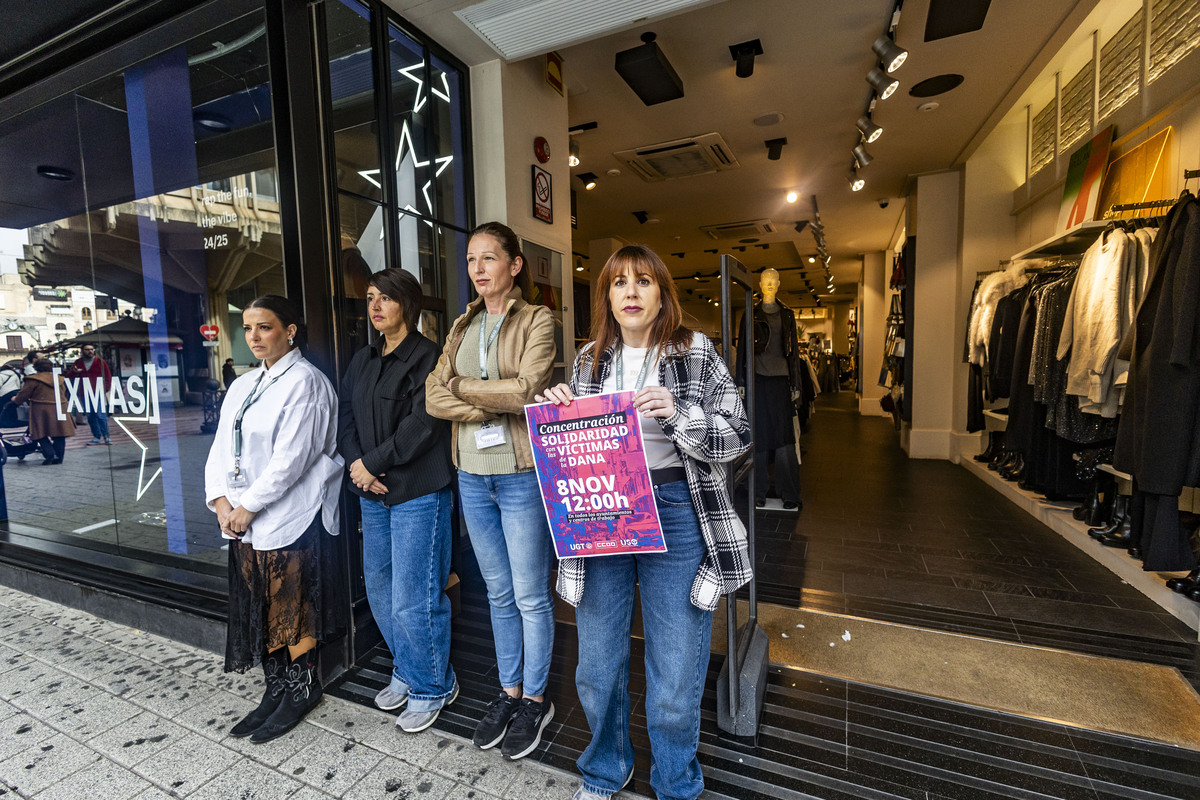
(278, 597)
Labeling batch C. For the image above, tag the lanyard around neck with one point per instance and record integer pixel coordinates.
(641, 376)
(491, 339)
(250, 400)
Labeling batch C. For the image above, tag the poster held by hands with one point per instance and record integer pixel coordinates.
(595, 484)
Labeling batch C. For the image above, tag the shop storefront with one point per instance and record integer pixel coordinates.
(163, 182)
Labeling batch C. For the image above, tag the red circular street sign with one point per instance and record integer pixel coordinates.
(209, 332)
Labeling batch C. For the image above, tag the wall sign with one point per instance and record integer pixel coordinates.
(543, 203)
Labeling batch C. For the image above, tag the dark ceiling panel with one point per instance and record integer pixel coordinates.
(29, 23)
(952, 17)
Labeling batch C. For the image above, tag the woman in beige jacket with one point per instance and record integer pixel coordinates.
(49, 424)
(499, 355)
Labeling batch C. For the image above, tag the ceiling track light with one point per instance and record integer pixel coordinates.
(883, 85)
(801, 225)
(856, 183)
(775, 148)
(861, 156)
(891, 54)
(589, 180)
(868, 129)
(743, 55)
(641, 216)
(573, 156)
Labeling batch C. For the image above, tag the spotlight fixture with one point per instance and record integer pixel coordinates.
(744, 54)
(861, 156)
(648, 72)
(641, 216)
(856, 183)
(792, 197)
(801, 225)
(869, 129)
(589, 180)
(573, 157)
(56, 173)
(884, 86)
(891, 54)
(212, 122)
(812, 260)
(775, 148)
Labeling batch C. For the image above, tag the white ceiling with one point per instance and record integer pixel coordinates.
(816, 56)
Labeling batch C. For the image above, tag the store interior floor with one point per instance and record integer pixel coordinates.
(923, 544)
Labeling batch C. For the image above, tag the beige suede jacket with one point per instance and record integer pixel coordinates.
(526, 355)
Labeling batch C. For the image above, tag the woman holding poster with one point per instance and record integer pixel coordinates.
(498, 356)
(399, 463)
(694, 423)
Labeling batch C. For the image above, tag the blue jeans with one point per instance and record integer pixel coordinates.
(677, 648)
(406, 562)
(98, 422)
(507, 525)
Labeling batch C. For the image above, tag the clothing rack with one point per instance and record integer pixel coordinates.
(1121, 208)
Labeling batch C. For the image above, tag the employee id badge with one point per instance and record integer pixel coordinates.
(489, 436)
(235, 479)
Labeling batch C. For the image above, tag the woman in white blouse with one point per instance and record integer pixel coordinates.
(273, 478)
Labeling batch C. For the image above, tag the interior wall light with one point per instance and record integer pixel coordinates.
(861, 156)
(573, 156)
(812, 259)
(867, 128)
(589, 180)
(856, 183)
(743, 54)
(792, 197)
(883, 85)
(891, 54)
(775, 148)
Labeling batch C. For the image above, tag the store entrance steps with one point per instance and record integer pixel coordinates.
(1084, 691)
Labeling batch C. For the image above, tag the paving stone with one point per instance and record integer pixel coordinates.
(138, 738)
(24, 679)
(392, 778)
(545, 784)
(170, 694)
(460, 792)
(93, 715)
(246, 780)
(52, 692)
(45, 763)
(20, 732)
(14, 621)
(102, 781)
(186, 764)
(153, 793)
(331, 764)
(479, 769)
(276, 751)
(213, 718)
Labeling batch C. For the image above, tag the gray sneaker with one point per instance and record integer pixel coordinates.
(411, 721)
(390, 700)
(583, 793)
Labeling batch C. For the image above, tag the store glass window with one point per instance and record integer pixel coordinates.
(149, 193)
(352, 88)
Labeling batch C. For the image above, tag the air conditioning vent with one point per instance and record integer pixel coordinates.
(739, 230)
(682, 158)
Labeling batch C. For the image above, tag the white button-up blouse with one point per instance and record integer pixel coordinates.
(289, 452)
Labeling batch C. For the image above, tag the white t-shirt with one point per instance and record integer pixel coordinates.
(660, 452)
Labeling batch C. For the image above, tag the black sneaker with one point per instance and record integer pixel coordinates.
(525, 732)
(491, 728)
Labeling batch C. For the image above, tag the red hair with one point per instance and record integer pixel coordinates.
(668, 332)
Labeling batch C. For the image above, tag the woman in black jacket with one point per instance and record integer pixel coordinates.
(399, 462)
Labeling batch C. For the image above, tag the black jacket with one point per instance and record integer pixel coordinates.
(412, 454)
(1158, 439)
(762, 333)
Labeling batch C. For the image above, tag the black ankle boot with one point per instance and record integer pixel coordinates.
(1001, 455)
(1014, 468)
(274, 668)
(1119, 516)
(301, 692)
(994, 443)
(1183, 585)
(1085, 510)
(1121, 537)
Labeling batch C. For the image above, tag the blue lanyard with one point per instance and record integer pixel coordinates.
(641, 376)
(484, 348)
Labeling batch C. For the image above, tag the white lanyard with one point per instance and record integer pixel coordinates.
(641, 376)
(484, 348)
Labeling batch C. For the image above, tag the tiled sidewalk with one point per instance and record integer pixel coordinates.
(92, 709)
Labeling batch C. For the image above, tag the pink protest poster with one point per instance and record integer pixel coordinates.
(591, 467)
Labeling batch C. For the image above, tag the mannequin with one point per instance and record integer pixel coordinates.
(776, 373)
